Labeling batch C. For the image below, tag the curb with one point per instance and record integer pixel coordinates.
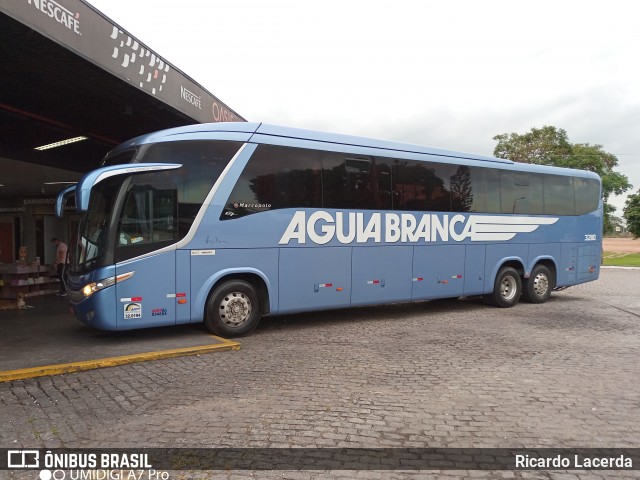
(33, 372)
(621, 268)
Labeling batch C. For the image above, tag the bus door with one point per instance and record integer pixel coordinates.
(438, 271)
(148, 223)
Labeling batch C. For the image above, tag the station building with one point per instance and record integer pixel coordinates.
(75, 85)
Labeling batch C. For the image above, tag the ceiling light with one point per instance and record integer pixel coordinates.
(61, 143)
(59, 183)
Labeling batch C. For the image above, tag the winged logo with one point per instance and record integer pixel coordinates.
(490, 228)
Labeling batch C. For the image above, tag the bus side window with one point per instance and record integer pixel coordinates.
(410, 193)
(149, 219)
(438, 186)
(276, 177)
(381, 180)
(485, 185)
(559, 196)
(514, 189)
(461, 190)
(521, 192)
(587, 195)
(422, 186)
(356, 182)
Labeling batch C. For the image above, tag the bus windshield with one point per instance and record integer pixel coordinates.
(91, 243)
(134, 214)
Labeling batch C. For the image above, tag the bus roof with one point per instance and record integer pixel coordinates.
(260, 132)
(267, 133)
(340, 139)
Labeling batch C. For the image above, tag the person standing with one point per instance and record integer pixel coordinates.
(61, 260)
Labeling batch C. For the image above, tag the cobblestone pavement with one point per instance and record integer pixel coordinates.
(438, 374)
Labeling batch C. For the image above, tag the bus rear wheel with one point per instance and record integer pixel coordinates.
(507, 288)
(537, 288)
(233, 309)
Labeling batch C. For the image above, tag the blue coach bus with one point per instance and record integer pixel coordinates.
(224, 223)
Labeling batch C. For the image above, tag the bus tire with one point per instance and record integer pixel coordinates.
(233, 309)
(537, 288)
(506, 289)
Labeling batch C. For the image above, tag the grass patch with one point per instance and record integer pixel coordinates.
(621, 259)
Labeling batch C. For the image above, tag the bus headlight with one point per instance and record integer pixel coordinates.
(94, 287)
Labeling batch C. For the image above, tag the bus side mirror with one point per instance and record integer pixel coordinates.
(61, 201)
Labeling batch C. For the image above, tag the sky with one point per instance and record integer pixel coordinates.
(443, 73)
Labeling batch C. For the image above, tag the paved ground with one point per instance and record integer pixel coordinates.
(48, 334)
(439, 374)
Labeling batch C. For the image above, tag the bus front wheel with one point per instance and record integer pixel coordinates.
(537, 288)
(507, 288)
(233, 309)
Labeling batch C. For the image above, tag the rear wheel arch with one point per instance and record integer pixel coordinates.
(507, 285)
(542, 280)
(551, 265)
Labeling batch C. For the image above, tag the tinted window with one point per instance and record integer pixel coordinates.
(276, 177)
(119, 158)
(462, 190)
(587, 195)
(559, 195)
(423, 186)
(409, 191)
(438, 186)
(535, 202)
(356, 182)
(521, 192)
(514, 192)
(381, 180)
(485, 189)
(282, 177)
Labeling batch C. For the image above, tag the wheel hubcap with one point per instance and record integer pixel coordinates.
(235, 309)
(540, 284)
(508, 287)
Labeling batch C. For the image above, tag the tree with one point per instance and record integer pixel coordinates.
(608, 220)
(631, 213)
(595, 159)
(617, 224)
(550, 146)
(543, 146)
